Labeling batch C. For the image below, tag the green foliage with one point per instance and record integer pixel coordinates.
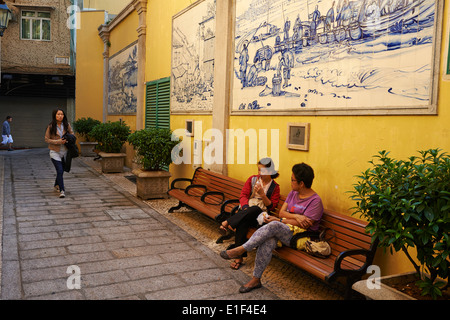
(407, 204)
(83, 127)
(111, 136)
(153, 147)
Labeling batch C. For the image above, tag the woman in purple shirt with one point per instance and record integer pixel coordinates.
(303, 208)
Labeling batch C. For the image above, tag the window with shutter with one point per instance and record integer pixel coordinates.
(157, 107)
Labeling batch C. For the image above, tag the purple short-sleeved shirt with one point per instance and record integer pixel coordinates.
(310, 207)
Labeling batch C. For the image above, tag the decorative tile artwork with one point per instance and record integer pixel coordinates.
(333, 55)
(192, 79)
(123, 74)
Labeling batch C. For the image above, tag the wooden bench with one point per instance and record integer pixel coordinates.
(213, 194)
(216, 196)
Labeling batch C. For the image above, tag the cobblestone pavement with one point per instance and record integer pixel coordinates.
(125, 248)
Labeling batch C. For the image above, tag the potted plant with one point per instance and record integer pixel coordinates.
(154, 152)
(111, 137)
(407, 205)
(83, 126)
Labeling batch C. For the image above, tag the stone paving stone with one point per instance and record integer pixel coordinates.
(42, 253)
(64, 260)
(58, 242)
(105, 246)
(67, 295)
(204, 276)
(42, 274)
(44, 287)
(194, 292)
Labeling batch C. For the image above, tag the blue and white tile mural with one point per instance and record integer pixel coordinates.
(333, 54)
(123, 74)
(192, 80)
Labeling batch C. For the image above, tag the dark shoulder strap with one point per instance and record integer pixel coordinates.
(271, 189)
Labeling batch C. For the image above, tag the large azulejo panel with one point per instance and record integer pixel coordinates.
(192, 78)
(123, 75)
(335, 56)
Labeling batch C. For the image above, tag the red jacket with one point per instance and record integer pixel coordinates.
(247, 192)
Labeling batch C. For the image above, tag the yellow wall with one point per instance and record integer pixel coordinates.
(89, 76)
(124, 33)
(112, 6)
(159, 36)
(179, 122)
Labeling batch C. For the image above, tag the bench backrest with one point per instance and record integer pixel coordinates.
(231, 188)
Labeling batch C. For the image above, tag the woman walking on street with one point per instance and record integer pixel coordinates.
(58, 151)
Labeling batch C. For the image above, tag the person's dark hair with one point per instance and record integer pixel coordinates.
(303, 172)
(8, 117)
(268, 163)
(53, 124)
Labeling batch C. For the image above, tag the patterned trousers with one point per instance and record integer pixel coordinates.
(265, 239)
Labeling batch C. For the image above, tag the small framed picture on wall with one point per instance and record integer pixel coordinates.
(298, 136)
(189, 128)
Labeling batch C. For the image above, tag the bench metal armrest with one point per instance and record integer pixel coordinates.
(172, 186)
(211, 193)
(226, 203)
(368, 253)
(193, 186)
(223, 215)
(353, 252)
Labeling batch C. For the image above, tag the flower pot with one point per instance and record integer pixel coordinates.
(152, 184)
(384, 291)
(87, 149)
(112, 162)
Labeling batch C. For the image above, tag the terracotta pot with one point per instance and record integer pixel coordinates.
(112, 162)
(152, 184)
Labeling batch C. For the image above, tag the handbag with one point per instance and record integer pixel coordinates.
(299, 238)
(320, 248)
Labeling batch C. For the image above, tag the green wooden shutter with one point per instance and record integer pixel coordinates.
(157, 107)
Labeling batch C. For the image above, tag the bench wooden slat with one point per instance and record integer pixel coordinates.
(349, 239)
(195, 203)
(319, 269)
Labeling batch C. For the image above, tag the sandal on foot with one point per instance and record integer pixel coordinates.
(223, 231)
(236, 265)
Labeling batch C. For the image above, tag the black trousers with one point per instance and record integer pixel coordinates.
(242, 221)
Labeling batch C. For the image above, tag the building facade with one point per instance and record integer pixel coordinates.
(38, 74)
(38, 63)
(285, 84)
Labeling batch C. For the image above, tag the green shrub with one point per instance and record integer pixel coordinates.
(84, 126)
(153, 147)
(111, 136)
(407, 204)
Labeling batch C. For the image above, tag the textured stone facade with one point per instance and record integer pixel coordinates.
(37, 56)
